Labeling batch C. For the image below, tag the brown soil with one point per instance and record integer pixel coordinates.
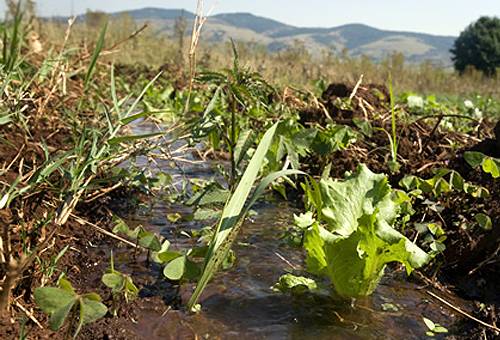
(367, 99)
(420, 146)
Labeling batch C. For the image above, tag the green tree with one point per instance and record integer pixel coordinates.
(478, 46)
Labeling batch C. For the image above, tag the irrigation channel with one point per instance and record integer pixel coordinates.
(239, 303)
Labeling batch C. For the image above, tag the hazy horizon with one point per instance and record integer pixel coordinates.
(439, 18)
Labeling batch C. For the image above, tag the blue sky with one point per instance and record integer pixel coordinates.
(447, 17)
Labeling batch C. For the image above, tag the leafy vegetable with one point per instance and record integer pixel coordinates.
(295, 284)
(354, 239)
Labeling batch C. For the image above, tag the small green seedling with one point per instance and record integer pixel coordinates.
(143, 238)
(62, 302)
(433, 327)
(121, 285)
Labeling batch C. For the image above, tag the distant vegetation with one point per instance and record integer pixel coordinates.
(163, 44)
(478, 46)
(356, 39)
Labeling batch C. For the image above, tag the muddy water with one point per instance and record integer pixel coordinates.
(239, 304)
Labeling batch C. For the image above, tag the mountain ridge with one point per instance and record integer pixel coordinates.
(358, 38)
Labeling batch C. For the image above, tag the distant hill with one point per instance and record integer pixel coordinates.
(358, 39)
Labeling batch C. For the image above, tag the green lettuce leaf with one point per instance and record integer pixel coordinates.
(355, 239)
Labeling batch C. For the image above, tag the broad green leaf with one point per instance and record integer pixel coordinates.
(474, 158)
(120, 226)
(304, 220)
(314, 241)
(174, 270)
(63, 283)
(346, 201)
(167, 256)
(409, 182)
(484, 221)
(491, 167)
(429, 323)
(210, 195)
(192, 270)
(164, 248)
(441, 187)
(115, 281)
(59, 316)
(351, 274)
(364, 125)
(174, 217)
(358, 240)
(149, 241)
(51, 298)
(90, 311)
(295, 284)
(457, 181)
(56, 302)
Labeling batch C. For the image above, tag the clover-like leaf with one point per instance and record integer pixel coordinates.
(474, 158)
(174, 270)
(484, 221)
(149, 241)
(114, 280)
(490, 166)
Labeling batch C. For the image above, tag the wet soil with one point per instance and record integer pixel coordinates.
(239, 303)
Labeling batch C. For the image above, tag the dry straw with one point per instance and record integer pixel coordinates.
(199, 21)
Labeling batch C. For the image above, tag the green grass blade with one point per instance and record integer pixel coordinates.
(232, 217)
(213, 101)
(15, 40)
(95, 56)
(139, 98)
(122, 139)
(266, 182)
(116, 105)
(130, 119)
(394, 143)
(242, 146)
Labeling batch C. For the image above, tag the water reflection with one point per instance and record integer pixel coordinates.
(239, 304)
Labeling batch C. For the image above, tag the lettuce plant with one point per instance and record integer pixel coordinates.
(351, 237)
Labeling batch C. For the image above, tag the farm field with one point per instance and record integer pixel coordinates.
(203, 196)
